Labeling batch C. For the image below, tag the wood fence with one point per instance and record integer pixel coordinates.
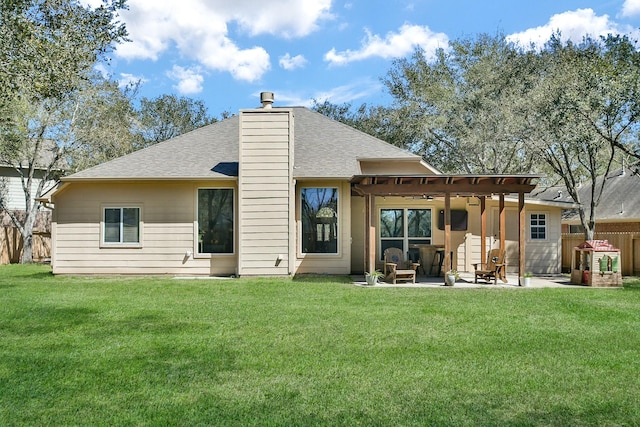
(11, 240)
(628, 243)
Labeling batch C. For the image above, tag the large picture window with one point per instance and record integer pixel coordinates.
(215, 220)
(402, 228)
(319, 220)
(121, 225)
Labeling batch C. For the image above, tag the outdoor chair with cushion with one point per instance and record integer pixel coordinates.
(493, 269)
(396, 268)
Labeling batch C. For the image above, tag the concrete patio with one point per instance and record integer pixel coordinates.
(467, 278)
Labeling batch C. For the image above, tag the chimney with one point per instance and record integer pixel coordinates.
(266, 98)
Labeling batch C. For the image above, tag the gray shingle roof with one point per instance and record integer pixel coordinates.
(324, 148)
(620, 200)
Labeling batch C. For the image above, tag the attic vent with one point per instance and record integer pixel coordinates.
(266, 99)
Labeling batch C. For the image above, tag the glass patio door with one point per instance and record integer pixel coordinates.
(404, 227)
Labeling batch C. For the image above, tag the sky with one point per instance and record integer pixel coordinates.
(226, 52)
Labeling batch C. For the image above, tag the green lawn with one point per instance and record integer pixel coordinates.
(314, 351)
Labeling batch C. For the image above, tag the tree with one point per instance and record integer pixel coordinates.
(462, 109)
(168, 116)
(102, 122)
(586, 108)
(485, 105)
(48, 49)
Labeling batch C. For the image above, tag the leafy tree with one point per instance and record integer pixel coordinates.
(168, 116)
(585, 109)
(48, 49)
(101, 120)
(48, 45)
(485, 105)
(462, 109)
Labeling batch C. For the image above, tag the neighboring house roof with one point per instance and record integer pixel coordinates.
(620, 200)
(552, 196)
(323, 148)
(44, 159)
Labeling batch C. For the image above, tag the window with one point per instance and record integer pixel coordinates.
(576, 228)
(538, 226)
(402, 228)
(121, 225)
(319, 212)
(215, 220)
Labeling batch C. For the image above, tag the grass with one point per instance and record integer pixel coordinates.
(312, 351)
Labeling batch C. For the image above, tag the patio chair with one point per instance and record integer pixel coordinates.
(493, 269)
(396, 268)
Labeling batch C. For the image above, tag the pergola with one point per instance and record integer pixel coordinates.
(480, 186)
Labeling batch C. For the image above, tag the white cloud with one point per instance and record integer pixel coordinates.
(127, 80)
(348, 93)
(631, 8)
(394, 45)
(189, 80)
(573, 25)
(283, 18)
(289, 62)
(198, 28)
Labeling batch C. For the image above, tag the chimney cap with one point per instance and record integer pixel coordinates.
(266, 98)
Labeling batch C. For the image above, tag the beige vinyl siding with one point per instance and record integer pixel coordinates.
(167, 230)
(541, 256)
(544, 256)
(265, 192)
(339, 263)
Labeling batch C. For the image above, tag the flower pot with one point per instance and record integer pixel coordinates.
(450, 279)
(526, 281)
(371, 280)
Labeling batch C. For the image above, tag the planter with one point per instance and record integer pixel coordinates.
(525, 281)
(449, 279)
(371, 280)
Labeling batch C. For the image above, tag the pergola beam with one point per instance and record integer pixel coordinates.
(439, 189)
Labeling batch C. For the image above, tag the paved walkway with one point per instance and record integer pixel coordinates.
(466, 281)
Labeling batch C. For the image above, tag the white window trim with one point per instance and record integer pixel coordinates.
(121, 245)
(546, 226)
(196, 225)
(337, 254)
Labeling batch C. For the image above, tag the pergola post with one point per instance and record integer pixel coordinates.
(521, 237)
(483, 228)
(369, 234)
(503, 224)
(447, 232)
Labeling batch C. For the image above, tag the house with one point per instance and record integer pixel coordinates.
(13, 199)
(617, 216)
(281, 191)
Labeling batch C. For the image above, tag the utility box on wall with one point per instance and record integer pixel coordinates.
(596, 263)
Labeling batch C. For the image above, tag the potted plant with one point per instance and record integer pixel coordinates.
(526, 279)
(372, 278)
(450, 277)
